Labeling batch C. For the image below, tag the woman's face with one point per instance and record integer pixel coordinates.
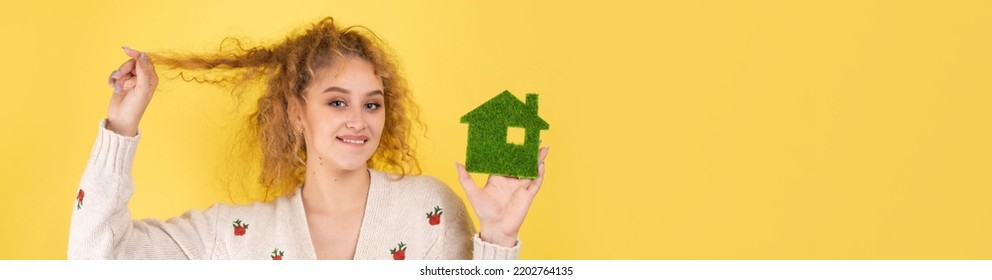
(344, 115)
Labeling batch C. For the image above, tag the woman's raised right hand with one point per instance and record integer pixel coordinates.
(134, 83)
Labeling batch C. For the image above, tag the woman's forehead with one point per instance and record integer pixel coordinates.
(353, 76)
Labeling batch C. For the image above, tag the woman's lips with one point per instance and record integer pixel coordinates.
(353, 140)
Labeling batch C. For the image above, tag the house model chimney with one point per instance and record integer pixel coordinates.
(532, 103)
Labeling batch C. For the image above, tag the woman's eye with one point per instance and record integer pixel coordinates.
(372, 106)
(337, 103)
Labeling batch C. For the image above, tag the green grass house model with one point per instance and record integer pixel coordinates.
(489, 150)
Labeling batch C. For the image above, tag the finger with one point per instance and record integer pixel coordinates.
(117, 97)
(543, 154)
(466, 181)
(536, 184)
(129, 84)
(131, 52)
(113, 78)
(125, 68)
(146, 72)
(119, 83)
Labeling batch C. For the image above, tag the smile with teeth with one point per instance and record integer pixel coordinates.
(353, 141)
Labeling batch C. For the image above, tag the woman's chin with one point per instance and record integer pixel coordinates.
(353, 166)
(344, 162)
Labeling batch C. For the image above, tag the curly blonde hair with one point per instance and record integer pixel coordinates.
(285, 69)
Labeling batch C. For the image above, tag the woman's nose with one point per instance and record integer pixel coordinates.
(356, 120)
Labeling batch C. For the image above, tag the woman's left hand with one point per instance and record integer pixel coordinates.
(503, 203)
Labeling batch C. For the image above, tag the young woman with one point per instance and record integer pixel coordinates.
(335, 116)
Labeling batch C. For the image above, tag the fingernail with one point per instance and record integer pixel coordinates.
(115, 74)
(117, 88)
(143, 57)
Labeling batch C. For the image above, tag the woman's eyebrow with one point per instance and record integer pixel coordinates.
(345, 91)
(337, 89)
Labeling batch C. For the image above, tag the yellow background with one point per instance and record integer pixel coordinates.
(681, 130)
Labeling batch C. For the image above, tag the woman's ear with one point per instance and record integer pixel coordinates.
(295, 114)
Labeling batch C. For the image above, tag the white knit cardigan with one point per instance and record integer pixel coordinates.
(416, 217)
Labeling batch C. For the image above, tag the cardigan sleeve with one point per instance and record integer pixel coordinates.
(482, 250)
(101, 226)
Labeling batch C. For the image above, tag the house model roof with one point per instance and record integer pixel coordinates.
(506, 110)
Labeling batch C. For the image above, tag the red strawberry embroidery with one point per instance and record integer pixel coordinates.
(434, 218)
(79, 199)
(277, 255)
(240, 229)
(399, 253)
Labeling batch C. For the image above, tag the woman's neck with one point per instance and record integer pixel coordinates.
(327, 191)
